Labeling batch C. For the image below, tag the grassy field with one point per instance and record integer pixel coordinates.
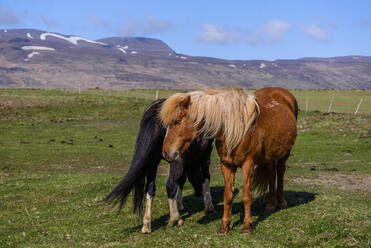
(61, 152)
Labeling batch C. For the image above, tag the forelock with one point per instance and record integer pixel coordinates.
(170, 109)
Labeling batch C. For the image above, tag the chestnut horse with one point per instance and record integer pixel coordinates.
(256, 130)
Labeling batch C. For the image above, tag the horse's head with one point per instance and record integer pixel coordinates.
(180, 129)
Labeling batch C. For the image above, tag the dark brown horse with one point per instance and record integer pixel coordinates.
(141, 177)
(256, 130)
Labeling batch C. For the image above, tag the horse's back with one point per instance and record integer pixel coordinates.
(274, 95)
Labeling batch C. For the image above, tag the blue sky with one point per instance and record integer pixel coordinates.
(224, 29)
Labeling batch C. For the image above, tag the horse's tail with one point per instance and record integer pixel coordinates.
(134, 178)
(146, 152)
(260, 179)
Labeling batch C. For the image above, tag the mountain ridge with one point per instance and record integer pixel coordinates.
(31, 58)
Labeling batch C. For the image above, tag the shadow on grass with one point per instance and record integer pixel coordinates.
(293, 199)
(194, 205)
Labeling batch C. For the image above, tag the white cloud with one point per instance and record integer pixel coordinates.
(332, 25)
(270, 32)
(8, 16)
(317, 32)
(274, 30)
(98, 23)
(254, 39)
(151, 25)
(216, 34)
(49, 22)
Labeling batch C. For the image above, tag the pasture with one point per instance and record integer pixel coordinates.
(61, 152)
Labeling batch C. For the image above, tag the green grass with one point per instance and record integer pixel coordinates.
(61, 153)
(344, 101)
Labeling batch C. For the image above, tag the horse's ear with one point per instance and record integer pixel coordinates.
(185, 102)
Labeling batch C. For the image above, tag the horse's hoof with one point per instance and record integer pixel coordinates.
(222, 230)
(210, 209)
(146, 230)
(246, 231)
(269, 209)
(180, 222)
(282, 205)
(173, 222)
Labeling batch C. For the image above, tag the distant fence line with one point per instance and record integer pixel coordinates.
(308, 100)
(148, 95)
(340, 106)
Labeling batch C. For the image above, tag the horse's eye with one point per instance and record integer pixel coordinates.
(177, 122)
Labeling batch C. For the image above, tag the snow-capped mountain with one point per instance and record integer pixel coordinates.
(43, 59)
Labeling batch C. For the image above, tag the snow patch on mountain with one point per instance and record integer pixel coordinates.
(262, 65)
(38, 48)
(72, 39)
(29, 36)
(122, 49)
(29, 56)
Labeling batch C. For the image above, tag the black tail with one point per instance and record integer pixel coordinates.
(147, 153)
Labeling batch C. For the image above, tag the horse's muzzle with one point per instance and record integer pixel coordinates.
(170, 156)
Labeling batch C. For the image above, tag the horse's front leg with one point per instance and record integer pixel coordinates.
(209, 207)
(228, 174)
(247, 172)
(174, 192)
(205, 171)
(179, 193)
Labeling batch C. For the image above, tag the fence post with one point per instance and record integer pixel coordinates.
(358, 106)
(156, 98)
(79, 91)
(329, 107)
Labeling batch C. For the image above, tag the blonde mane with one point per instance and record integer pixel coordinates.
(229, 112)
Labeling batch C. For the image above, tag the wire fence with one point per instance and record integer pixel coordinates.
(345, 101)
(338, 101)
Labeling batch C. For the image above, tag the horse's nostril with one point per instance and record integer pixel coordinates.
(165, 155)
(176, 154)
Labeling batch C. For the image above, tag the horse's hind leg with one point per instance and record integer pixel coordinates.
(281, 168)
(147, 214)
(272, 199)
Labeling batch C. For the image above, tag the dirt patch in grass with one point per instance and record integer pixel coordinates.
(340, 181)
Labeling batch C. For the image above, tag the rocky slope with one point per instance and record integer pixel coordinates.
(38, 59)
